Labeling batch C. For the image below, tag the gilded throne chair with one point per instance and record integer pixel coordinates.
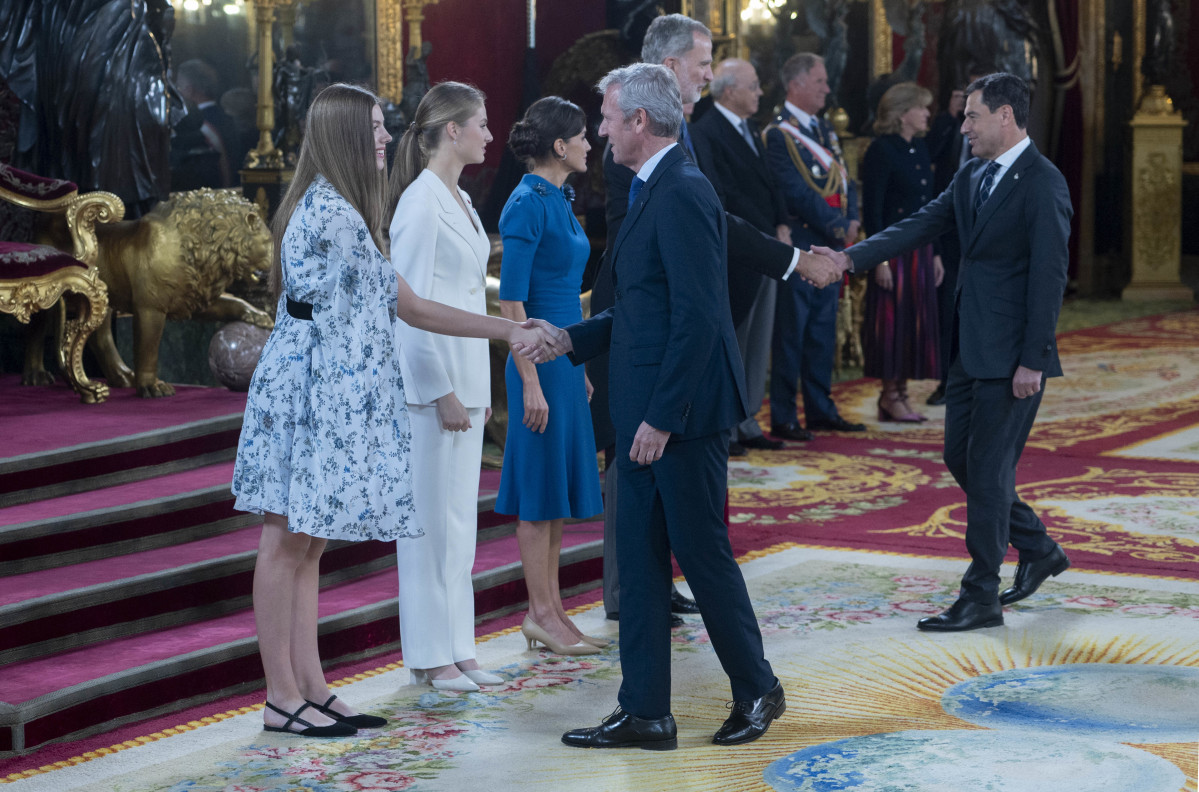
(34, 277)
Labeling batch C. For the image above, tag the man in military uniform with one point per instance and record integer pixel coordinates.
(804, 154)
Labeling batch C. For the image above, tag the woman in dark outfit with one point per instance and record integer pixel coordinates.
(899, 335)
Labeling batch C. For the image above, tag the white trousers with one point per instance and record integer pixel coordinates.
(437, 599)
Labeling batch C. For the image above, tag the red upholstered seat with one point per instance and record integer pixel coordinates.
(34, 188)
(22, 260)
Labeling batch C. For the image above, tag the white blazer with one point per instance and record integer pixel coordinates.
(443, 258)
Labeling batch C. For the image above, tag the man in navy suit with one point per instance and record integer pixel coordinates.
(821, 197)
(729, 152)
(674, 355)
(1012, 211)
(684, 46)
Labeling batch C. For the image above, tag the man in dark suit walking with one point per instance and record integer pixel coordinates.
(684, 46)
(729, 152)
(674, 355)
(821, 197)
(1012, 212)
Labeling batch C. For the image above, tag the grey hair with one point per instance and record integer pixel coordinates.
(654, 89)
(670, 36)
(798, 65)
(726, 77)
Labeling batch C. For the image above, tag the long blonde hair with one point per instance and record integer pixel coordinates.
(339, 144)
(445, 102)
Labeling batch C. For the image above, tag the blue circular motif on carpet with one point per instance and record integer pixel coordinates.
(922, 761)
(1125, 703)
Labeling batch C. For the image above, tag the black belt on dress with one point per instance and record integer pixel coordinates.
(299, 310)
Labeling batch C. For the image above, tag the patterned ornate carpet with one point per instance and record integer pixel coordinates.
(1091, 684)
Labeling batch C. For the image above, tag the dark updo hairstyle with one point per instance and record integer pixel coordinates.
(547, 120)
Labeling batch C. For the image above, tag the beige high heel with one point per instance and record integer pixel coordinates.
(596, 641)
(534, 634)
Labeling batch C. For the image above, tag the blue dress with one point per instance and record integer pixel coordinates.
(325, 439)
(553, 474)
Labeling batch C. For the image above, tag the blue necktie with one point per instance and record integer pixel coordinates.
(816, 131)
(686, 138)
(634, 189)
(984, 189)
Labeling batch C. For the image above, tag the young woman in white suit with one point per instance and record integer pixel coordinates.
(439, 247)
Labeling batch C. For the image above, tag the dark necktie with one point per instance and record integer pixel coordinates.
(984, 189)
(685, 136)
(816, 131)
(634, 189)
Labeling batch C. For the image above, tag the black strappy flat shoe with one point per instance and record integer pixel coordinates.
(339, 729)
(357, 721)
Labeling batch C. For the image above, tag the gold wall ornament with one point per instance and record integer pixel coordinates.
(389, 49)
(883, 56)
(1138, 51)
(1153, 206)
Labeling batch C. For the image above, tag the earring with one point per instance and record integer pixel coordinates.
(562, 156)
(455, 142)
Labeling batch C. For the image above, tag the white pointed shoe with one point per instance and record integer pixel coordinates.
(459, 683)
(481, 677)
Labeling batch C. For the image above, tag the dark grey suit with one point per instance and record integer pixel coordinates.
(1009, 293)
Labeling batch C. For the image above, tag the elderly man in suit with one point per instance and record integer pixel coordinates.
(729, 152)
(821, 197)
(674, 353)
(684, 46)
(1012, 212)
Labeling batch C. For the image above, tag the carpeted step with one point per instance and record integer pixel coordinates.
(63, 610)
(53, 447)
(149, 513)
(98, 687)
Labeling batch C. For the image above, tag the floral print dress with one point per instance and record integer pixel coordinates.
(325, 439)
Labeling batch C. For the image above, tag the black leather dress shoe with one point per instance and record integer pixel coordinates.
(622, 730)
(762, 443)
(681, 604)
(964, 615)
(1030, 576)
(937, 397)
(675, 620)
(751, 719)
(736, 449)
(791, 431)
(834, 424)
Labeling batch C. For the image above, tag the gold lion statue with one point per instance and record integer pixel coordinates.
(176, 263)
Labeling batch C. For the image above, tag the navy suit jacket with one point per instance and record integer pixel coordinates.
(814, 221)
(1014, 260)
(674, 362)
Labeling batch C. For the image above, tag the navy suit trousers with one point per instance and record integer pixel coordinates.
(802, 350)
(985, 431)
(677, 504)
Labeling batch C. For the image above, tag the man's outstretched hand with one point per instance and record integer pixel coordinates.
(552, 342)
(818, 269)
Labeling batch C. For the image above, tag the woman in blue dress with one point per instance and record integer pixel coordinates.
(325, 446)
(550, 472)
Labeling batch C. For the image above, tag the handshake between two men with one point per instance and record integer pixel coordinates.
(820, 267)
